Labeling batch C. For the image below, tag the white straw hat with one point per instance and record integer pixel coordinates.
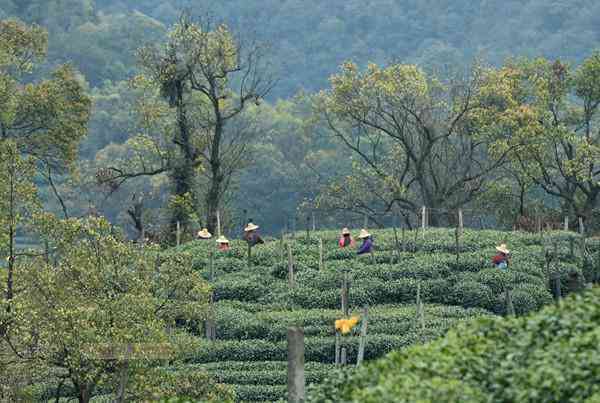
(502, 248)
(222, 239)
(345, 231)
(364, 234)
(204, 234)
(251, 227)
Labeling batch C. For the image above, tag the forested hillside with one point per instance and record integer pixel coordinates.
(294, 162)
(310, 38)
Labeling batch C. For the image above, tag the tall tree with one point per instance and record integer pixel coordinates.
(414, 133)
(45, 119)
(561, 136)
(208, 77)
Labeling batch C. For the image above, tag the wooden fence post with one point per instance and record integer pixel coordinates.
(209, 324)
(295, 372)
(363, 336)
(178, 234)
(249, 255)
(510, 308)
(344, 357)
(581, 227)
(211, 265)
(566, 223)
(556, 288)
(345, 294)
(457, 241)
(321, 263)
(460, 220)
(291, 279)
(423, 220)
(397, 254)
(338, 343)
(314, 222)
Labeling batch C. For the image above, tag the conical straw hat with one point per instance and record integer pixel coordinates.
(502, 248)
(204, 234)
(364, 234)
(222, 239)
(345, 231)
(251, 227)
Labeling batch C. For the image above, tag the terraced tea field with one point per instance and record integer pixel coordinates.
(255, 304)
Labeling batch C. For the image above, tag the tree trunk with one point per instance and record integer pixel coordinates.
(215, 191)
(183, 173)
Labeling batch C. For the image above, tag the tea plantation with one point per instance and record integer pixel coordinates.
(548, 356)
(254, 304)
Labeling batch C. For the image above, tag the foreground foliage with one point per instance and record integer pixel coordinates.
(550, 356)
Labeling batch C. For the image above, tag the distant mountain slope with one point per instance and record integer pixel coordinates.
(310, 38)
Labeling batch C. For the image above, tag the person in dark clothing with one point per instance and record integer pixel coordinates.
(502, 259)
(251, 235)
(346, 239)
(367, 245)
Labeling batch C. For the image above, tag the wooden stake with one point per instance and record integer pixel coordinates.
(457, 240)
(556, 289)
(581, 228)
(209, 324)
(338, 343)
(566, 223)
(291, 280)
(510, 308)
(321, 254)
(423, 220)
(249, 255)
(363, 337)
(397, 246)
(345, 294)
(211, 265)
(314, 222)
(343, 358)
(178, 233)
(460, 220)
(295, 372)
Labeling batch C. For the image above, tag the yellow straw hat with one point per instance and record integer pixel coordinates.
(364, 234)
(251, 227)
(204, 234)
(222, 239)
(502, 248)
(345, 231)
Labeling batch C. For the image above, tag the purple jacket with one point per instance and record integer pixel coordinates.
(366, 246)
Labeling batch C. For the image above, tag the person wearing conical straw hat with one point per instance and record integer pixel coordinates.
(251, 234)
(346, 239)
(502, 259)
(204, 234)
(367, 245)
(223, 243)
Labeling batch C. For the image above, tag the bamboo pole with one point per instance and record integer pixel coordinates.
(178, 233)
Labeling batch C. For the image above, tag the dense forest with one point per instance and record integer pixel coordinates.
(293, 161)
